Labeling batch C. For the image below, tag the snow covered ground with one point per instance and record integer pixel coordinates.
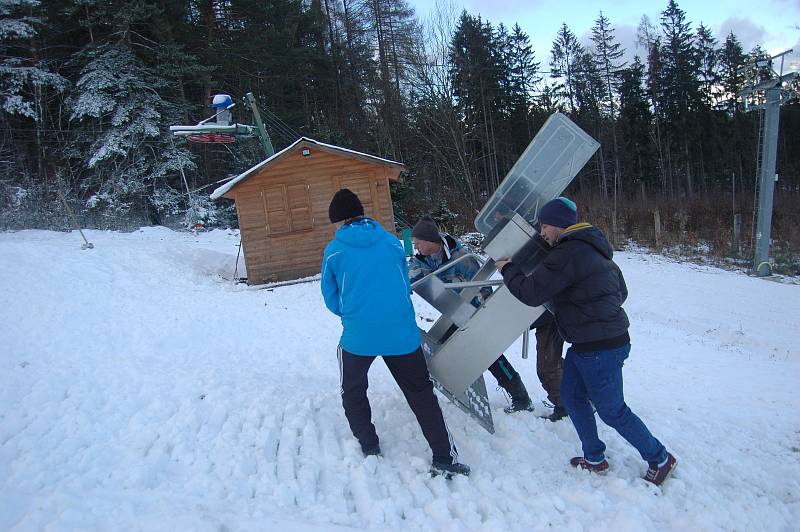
(140, 390)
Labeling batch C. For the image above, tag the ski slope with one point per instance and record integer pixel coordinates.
(140, 390)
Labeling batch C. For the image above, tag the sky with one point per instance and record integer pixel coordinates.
(774, 24)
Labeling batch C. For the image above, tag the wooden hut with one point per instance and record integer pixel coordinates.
(282, 205)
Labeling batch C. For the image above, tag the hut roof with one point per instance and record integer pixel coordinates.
(307, 142)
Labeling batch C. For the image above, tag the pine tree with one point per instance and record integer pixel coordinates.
(635, 120)
(477, 88)
(523, 77)
(589, 89)
(608, 60)
(126, 95)
(27, 83)
(709, 124)
(21, 74)
(708, 56)
(680, 94)
(565, 55)
(731, 59)
(654, 82)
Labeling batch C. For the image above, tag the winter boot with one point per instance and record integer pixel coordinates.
(520, 400)
(448, 469)
(658, 473)
(559, 412)
(582, 463)
(371, 450)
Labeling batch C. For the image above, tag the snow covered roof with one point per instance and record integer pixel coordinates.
(221, 191)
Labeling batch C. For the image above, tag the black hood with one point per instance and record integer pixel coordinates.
(591, 235)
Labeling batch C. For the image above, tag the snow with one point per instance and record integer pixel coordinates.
(141, 390)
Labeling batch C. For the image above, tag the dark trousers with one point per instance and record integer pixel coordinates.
(549, 364)
(411, 374)
(502, 370)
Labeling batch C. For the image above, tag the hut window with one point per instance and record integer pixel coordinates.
(299, 207)
(287, 208)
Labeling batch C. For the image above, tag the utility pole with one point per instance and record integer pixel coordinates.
(767, 90)
(263, 136)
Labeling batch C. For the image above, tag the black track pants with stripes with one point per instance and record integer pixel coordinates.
(411, 374)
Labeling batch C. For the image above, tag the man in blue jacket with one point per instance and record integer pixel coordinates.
(365, 283)
(586, 291)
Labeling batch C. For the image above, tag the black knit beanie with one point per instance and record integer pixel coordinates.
(344, 205)
(560, 212)
(426, 230)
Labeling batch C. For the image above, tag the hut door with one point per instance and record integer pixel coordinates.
(361, 185)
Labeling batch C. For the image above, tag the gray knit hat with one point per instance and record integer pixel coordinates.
(427, 230)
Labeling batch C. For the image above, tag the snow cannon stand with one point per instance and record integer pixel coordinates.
(465, 340)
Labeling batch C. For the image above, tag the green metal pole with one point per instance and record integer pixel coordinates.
(262, 132)
(407, 245)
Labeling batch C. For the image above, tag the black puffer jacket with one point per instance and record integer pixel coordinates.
(585, 287)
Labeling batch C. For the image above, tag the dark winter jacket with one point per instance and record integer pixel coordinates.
(585, 287)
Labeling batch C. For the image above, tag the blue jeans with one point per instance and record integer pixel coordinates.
(597, 376)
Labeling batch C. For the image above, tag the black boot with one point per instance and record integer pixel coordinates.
(371, 450)
(559, 412)
(520, 400)
(448, 469)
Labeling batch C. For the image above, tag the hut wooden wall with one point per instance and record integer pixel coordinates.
(283, 210)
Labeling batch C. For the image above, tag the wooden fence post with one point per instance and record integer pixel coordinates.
(737, 233)
(657, 227)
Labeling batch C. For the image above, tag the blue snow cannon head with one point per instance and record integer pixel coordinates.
(222, 101)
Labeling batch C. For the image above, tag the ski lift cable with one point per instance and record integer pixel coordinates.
(284, 130)
(278, 129)
(278, 118)
(278, 124)
(287, 126)
(275, 125)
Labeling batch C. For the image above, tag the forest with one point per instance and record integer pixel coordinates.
(89, 88)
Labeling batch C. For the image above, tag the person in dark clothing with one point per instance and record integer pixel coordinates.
(586, 291)
(365, 283)
(549, 362)
(434, 250)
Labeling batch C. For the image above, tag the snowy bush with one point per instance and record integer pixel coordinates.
(166, 200)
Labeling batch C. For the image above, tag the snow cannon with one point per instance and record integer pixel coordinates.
(466, 340)
(222, 101)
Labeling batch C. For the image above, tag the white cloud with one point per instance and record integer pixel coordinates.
(500, 8)
(748, 33)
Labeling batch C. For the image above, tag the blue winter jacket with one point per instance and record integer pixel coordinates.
(365, 282)
(421, 265)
